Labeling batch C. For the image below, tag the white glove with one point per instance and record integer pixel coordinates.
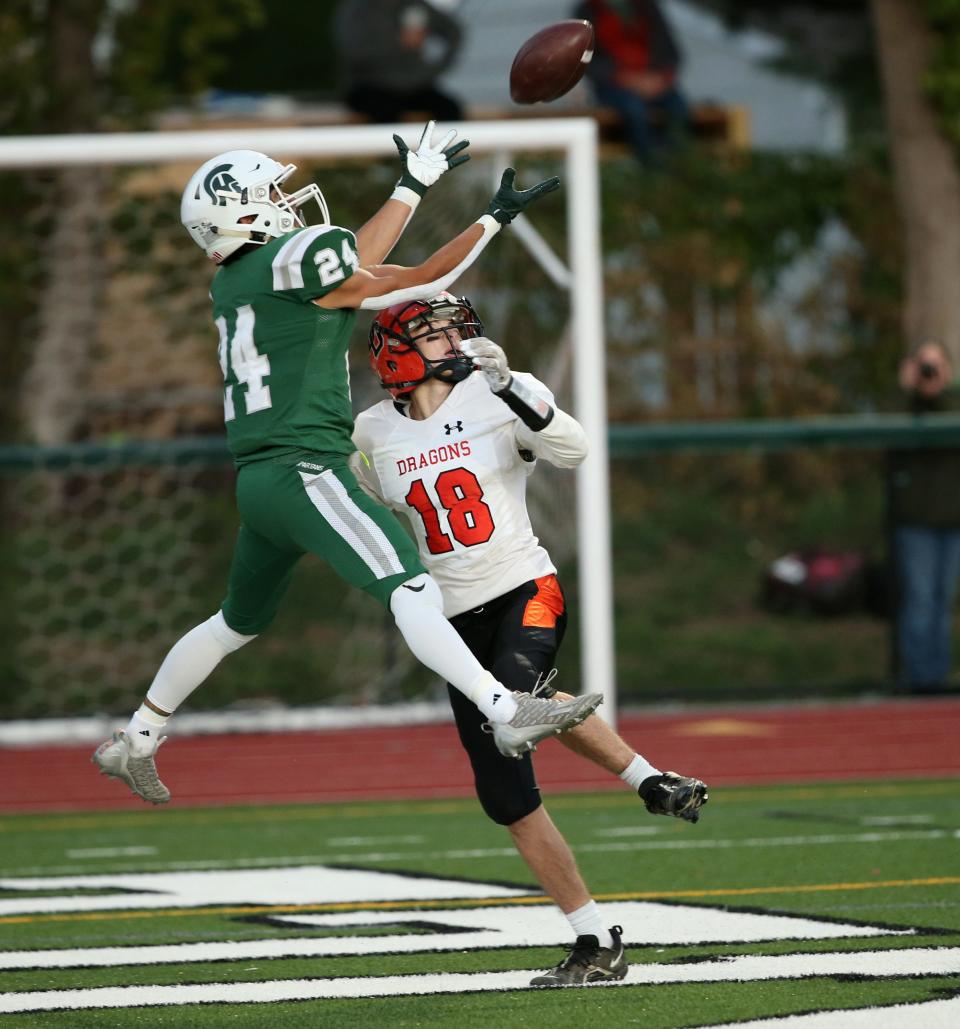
(425, 164)
(490, 359)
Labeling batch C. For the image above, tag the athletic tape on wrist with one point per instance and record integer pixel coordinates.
(531, 409)
(406, 195)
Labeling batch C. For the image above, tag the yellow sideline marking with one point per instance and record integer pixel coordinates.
(414, 905)
(726, 727)
(241, 814)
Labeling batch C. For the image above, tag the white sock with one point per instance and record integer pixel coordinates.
(494, 700)
(417, 607)
(586, 921)
(144, 729)
(638, 770)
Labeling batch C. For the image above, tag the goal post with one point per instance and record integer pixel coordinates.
(576, 140)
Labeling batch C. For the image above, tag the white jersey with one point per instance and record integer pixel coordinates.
(460, 479)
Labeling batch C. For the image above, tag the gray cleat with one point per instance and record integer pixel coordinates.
(672, 794)
(587, 963)
(539, 717)
(139, 773)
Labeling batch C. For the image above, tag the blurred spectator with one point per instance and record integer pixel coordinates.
(392, 53)
(634, 71)
(924, 489)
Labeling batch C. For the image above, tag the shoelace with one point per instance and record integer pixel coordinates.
(582, 954)
(543, 683)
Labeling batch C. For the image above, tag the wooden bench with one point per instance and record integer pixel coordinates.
(727, 125)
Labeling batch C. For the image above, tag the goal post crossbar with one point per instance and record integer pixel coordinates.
(576, 139)
(335, 141)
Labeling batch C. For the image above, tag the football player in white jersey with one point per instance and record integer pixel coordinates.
(452, 451)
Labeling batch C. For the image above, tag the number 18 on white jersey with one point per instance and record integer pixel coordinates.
(459, 478)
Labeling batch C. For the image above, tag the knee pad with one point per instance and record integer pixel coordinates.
(506, 788)
(412, 596)
(506, 803)
(228, 638)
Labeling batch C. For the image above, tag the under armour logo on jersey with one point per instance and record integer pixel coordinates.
(144, 732)
(220, 180)
(456, 425)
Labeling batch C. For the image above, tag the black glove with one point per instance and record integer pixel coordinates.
(508, 202)
(423, 165)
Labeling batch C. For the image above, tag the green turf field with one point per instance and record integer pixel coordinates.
(850, 893)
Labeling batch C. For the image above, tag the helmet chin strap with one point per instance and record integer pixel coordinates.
(450, 369)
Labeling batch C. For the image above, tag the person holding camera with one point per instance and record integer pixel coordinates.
(924, 510)
(635, 71)
(392, 53)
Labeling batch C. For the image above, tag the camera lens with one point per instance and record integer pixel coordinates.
(928, 370)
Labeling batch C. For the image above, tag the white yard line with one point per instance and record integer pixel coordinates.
(108, 852)
(458, 929)
(878, 820)
(931, 1014)
(630, 830)
(877, 964)
(366, 841)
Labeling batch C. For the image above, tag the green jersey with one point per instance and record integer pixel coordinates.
(284, 360)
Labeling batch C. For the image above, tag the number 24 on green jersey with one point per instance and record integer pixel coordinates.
(239, 351)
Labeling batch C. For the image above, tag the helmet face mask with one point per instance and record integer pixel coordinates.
(395, 354)
(236, 198)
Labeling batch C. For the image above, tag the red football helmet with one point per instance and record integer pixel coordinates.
(394, 355)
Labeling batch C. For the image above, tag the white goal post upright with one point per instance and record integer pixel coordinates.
(576, 138)
(594, 532)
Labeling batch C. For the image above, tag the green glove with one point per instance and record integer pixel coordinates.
(425, 164)
(508, 202)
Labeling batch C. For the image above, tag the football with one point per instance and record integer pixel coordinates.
(551, 62)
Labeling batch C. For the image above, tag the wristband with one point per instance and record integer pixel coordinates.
(489, 224)
(531, 409)
(406, 195)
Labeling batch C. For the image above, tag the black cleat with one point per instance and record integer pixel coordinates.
(672, 794)
(587, 963)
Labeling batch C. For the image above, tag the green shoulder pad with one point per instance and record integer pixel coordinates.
(314, 261)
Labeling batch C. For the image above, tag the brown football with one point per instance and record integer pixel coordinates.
(551, 62)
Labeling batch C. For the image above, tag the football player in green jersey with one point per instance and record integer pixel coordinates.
(285, 296)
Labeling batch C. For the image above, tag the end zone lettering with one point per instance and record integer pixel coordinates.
(437, 455)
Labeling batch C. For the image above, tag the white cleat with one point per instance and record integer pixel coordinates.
(139, 773)
(537, 718)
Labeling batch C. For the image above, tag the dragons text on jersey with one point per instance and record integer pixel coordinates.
(435, 455)
(284, 360)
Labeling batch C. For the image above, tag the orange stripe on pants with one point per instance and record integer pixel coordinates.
(545, 607)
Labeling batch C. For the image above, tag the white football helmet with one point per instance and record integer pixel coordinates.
(236, 185)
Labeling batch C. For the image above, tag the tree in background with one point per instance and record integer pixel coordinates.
(912, 40)
(915, 44)
(94, 65)
(84, 66)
